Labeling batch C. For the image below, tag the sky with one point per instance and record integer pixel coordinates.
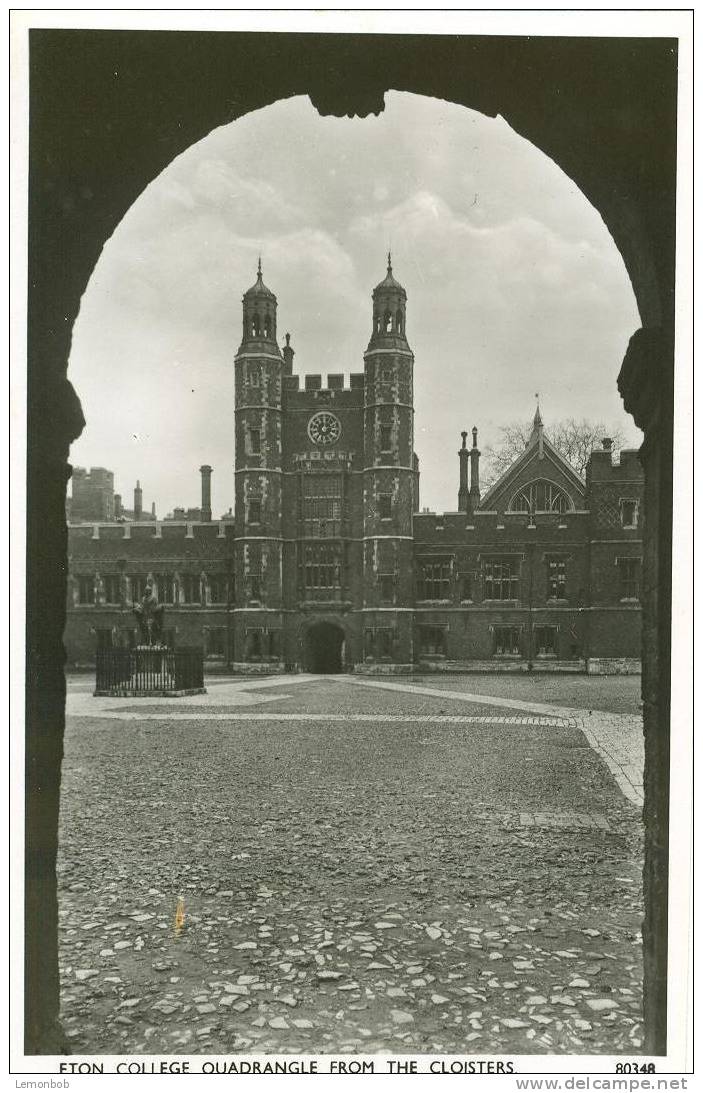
(514, 285)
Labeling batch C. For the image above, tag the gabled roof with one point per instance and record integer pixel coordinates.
(539, 448)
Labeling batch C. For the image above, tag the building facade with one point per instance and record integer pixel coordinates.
(328, 564)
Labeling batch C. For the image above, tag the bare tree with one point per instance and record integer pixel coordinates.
(574, 440)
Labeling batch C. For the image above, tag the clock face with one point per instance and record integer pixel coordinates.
(324, 428)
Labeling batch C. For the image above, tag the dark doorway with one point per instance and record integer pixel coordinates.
(324, 645)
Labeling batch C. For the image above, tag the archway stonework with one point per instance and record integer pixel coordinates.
(111, 109)
(334, 626)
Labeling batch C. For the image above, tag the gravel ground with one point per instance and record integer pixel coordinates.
(614, 694)
(408, 887)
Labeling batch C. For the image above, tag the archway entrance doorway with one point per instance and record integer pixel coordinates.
(324, 648)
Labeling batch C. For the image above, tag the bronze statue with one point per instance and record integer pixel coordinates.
(150, 616)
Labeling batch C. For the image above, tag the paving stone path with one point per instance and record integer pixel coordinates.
(356, 876)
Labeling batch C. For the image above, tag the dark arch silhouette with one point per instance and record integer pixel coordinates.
(324, 647)
(602, 109)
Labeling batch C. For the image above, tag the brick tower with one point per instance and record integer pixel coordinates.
(258, 368)
(388, 479)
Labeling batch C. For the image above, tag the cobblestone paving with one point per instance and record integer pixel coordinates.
(444, 883)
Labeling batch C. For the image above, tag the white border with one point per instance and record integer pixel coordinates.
(573, 23)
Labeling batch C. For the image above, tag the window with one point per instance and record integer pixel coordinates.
(262, 644)
(322, 505)
(387, 375)
(254, 571)
(138, 588)
(254, 375)
(506, 641)
(541, 496)
(433, 641)
(466, 586)
(164, 587)
(399, 321)
(216, 641)
(386, 584)
(556, 579)
(254, 510)
(104, 639)
(434, 579)
(386, 438)
(629, 512)
(378, 643)
(111, 588)
(500, 578)
(387, 322)
(190, 588)
(218, 588)
(86, 590)
(321, 570)
(629, 572)
(254, 441)
(545, 641)
(384, 506)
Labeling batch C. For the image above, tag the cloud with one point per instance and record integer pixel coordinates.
(514, 285)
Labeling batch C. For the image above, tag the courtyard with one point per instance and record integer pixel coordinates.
(443, 864)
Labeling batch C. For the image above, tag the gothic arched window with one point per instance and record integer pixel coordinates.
(541, 496)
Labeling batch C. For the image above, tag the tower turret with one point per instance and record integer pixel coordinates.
(258, 372)
(390, 478)
(259, 315)
(389, 300)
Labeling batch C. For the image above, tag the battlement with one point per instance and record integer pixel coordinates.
(312, 383)
(601, 467)
(439, 527)
(137, 535)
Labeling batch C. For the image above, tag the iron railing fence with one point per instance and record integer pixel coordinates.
(143, 670)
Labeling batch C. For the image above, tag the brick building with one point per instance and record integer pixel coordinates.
(328, 563)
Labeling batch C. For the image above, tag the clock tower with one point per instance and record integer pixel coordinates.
(324, 493)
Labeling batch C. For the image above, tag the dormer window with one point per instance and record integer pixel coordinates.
(629, 512)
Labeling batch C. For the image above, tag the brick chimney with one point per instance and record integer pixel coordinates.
(137, 501)
(475, 491)
(205, 502)
(463, 475)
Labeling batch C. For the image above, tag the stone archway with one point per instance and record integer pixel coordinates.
(324, 647)
(111, 109)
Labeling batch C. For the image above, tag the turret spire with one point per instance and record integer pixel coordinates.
(537, 435)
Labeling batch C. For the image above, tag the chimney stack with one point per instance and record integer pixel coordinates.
(205, 503)
(463, 475)
(118, 505)
(137, 501)
(475, 491)
(607, 444)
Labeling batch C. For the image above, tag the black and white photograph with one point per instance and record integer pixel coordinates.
(355, 357)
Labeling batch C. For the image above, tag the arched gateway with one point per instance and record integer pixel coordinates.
(323, 648)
